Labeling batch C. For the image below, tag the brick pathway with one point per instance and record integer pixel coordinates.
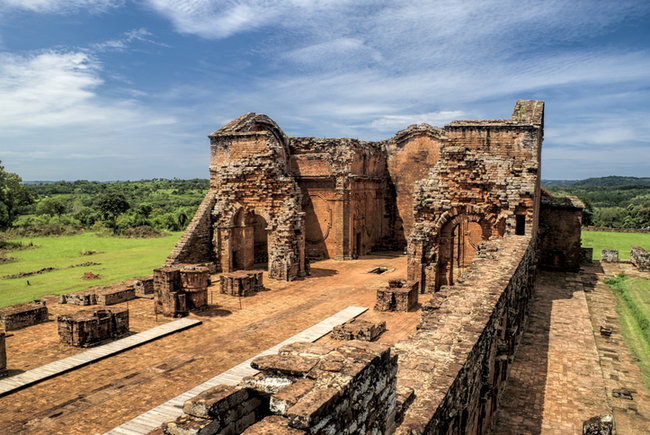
(107, 393)
(556, 381)
(617, 362)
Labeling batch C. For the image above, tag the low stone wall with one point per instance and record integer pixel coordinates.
(110, 294)
(609, 256)
(458, 361)
(640, 258)
(22, 315)
(3, 352)
(87, 327)
(398, 295)
(305, 388)
(241, 283)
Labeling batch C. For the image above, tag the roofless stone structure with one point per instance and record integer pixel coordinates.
(466, 204)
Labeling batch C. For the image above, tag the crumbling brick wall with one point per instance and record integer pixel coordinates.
(195, 245)
(485, 184)
(560, 225)
(305, 388)
(346, 196)
(253, 187)
(457, 362)
(640, 258)
(22, 315)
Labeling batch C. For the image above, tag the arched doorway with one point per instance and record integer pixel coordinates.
(249, 242)
(260, 241)
(459, 239)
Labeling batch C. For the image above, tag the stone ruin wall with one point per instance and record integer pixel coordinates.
(640, 258)
(457, 363)
(560, 224)
(347, 201)
(340, 198)
(195, 245)
(304, 388)
(253, 187)
(484, 185)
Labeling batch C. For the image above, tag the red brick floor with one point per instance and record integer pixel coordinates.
(107, 393)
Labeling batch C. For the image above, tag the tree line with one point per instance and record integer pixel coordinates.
(611, 202)
(158, 204)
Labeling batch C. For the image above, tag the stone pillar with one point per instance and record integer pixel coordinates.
(195, 281)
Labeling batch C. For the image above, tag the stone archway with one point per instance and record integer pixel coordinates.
(458, 240)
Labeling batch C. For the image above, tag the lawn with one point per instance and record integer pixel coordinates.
(119, 258)
(633, 307)
(600, 240)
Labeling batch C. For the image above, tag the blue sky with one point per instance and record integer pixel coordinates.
(120, 89)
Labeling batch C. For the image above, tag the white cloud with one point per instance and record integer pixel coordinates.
(397, 122)
(122, 43)
(59, 88)
(62, 6)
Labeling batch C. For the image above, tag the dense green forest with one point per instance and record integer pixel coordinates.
(145, 207)
(615, 202)
(135, 208)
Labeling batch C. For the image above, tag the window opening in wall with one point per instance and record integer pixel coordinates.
(520, 228)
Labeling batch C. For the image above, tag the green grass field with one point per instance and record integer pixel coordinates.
(120, 259)
(600, 240)
(633, 307)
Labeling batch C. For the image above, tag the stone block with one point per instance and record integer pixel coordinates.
(272, 425)
(22, 315)
(609, 256)
(356, 329)
(143, 286)
(88, 327)
(599, 425)
(241, 283)
(640, 258)
(399, 296)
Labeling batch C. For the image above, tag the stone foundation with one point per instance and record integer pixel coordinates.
(398, 295)
(241, 283)
(305, 388)
(586, 255)
(110, 294)
(560, 222)
(88, 327)
(640, 258)
(609, 256)
(356, 329)
(22, 315)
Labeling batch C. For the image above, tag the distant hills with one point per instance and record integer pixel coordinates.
(612, 181)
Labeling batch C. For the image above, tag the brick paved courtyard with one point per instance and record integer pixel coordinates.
(103, 395)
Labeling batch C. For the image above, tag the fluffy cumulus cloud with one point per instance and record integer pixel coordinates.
(58, 88)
